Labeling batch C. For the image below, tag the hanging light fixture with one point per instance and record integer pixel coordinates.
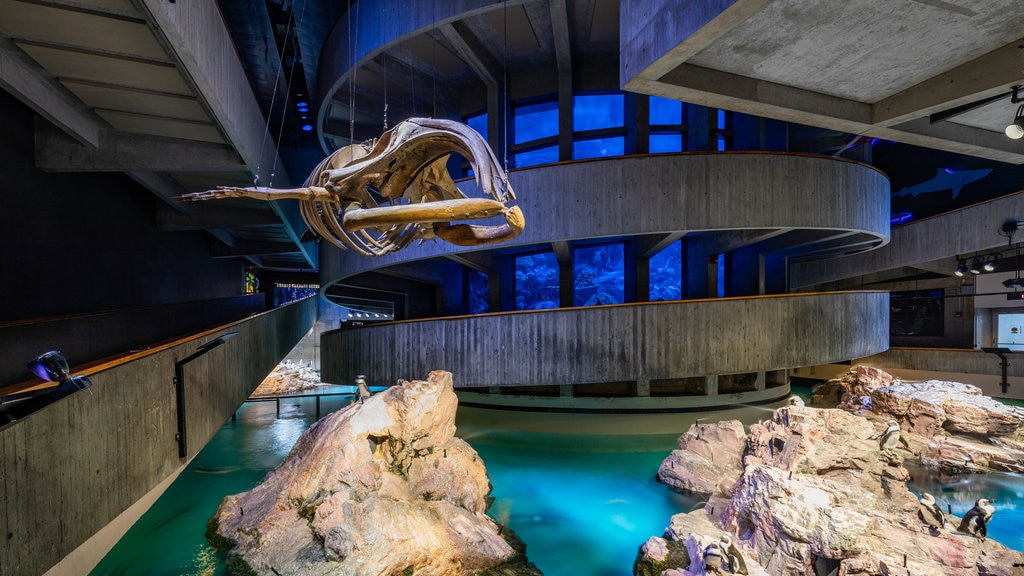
(1015, 129)
(990, 264)
(960, 269)
(975, 268)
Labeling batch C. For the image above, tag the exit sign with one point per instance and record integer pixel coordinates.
(1015, 295)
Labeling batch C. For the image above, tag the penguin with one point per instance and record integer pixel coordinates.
(930, 513)
(891, 436)
(976, 519)
(714, 558)
(796, 401)
(734, 559)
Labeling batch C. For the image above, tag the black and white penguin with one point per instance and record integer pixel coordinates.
(891, 436)
(976, 519)
(930, 513)
(714, 558)
(796, 401)
(734, 559)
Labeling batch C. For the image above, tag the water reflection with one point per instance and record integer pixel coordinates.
(958, 492)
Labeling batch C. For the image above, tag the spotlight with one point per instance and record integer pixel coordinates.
(974, 269)
(989, 266)
(1012, 282)
(960, 269)
(1015, 129)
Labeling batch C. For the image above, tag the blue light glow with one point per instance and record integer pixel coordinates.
(535, 121)
(307, 127)
(597, 111)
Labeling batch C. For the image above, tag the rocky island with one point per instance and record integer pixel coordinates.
(812, 491)
(381, 487)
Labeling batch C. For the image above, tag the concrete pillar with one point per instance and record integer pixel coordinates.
(711, 385)
(565, 390)
(643, 388)
(759, 384)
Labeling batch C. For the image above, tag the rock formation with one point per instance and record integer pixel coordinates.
(379, 488)
(287, 378)
(814, 493)
(951, 426)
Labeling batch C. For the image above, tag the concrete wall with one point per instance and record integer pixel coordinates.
(81, 242)
(615, 343)
(85, 338)
(75, 465)
(972, 229)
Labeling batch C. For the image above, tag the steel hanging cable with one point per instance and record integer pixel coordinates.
(289, 31)
(354, 45)
(505, 101)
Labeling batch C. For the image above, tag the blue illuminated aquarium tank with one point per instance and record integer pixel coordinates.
(582, 503)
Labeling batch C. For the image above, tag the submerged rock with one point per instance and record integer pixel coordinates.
(382, 487)
(816, 493)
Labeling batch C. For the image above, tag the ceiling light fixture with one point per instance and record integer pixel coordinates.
(974, 269)
(990, 265)
(960, 269)
(1015, 129)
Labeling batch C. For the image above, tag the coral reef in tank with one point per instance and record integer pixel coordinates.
(818, 491)
(381, 487)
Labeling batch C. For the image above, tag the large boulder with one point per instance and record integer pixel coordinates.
(382, 487)
(851, 390)
(952, 406)
(708, 460)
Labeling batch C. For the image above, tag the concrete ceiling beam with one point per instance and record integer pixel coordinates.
(560, 35)
(468, 48)
(56, 151)
(986, 76)
(210, 216)
(40, 91)
(246, 249)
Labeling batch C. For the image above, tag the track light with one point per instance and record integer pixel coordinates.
(974, 269)
(989, 266)
(960, 269)
(1015, 129)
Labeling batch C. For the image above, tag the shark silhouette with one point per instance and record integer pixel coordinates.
(945, 179)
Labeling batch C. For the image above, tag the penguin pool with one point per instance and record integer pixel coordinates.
(578, 489)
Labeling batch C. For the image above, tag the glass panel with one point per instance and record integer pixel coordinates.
(479, 292)
(478, 123)
(598, 147)
(536, 281)
(536, 121)
(721, 276)
(665, 111)
(721, 119)
(599, 274)
(596, 111)
(665, 143)
(666, 273)
(721, 142)
(534, 157)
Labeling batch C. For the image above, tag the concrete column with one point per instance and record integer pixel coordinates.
(711, 385)
(565, 391)
(759, 384)
(643, 388)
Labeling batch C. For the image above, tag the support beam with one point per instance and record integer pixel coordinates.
(206, 216)
(55, 151)
(986, 76)
(472, 52)
(245, 249)
(37, 89)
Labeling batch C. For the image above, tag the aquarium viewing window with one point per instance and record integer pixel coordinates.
(285, 293)
(665, 278)
(598, 274)
(537, 283)
(479, 292)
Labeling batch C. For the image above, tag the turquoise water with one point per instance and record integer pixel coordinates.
(582, 503)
